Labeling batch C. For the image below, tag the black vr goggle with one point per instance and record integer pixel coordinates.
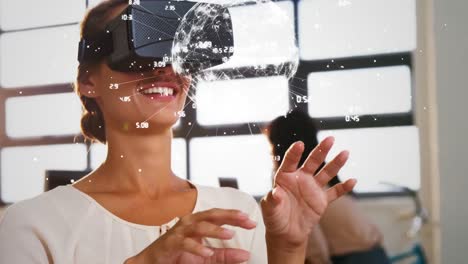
(141, 37)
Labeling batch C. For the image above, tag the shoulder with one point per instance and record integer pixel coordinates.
(227, 198)
(26, 209)
(29, 228)
(56, 206)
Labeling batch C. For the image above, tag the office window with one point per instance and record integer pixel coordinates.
(38, 57)
(355, 79)
(15, 15)
(255, 44)
(98, 153)
(245, 158)
(242, 100)
(355, 60)
(346, 28)
(23, 168)
(92, 3)
(43, 115)
(368, 91)
(379, 157)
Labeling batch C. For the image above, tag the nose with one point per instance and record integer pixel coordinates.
(167, 73)
(167, 70)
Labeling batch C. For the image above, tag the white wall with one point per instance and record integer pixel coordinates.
(451, 43)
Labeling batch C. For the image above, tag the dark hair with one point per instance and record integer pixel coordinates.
(92, 121)
(285, 130)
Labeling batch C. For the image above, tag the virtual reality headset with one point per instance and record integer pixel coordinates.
(141, 37)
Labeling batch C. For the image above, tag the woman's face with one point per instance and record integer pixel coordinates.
(143, 102)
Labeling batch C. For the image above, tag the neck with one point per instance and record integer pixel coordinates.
(143, 166)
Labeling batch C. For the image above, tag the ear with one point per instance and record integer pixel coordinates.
(87, 85)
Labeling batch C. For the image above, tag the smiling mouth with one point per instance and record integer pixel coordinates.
(158, 90)
(162, 91)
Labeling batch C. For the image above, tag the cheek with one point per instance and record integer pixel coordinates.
(186, 88)
(110, 105)
(117, 103)
(117, 86)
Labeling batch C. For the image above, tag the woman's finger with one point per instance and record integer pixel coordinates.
(193, 246)
(340, 189)
(220, 217)
(272, 201)
(292, 157)
(317, 156)
(278, 194)
(228, 256)
(331, 169)
(206, 229)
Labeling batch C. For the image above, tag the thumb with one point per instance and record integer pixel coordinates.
(272, 201)
(278, 194)
(228, 255)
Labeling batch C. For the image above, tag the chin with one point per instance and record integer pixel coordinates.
(163, 121)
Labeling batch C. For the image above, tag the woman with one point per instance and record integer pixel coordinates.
(344, 234)
(133, 209)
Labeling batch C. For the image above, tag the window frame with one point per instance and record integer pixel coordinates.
(194, 130)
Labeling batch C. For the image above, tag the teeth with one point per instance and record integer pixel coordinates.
(161, 90)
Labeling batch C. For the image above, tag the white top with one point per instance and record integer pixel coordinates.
(65, 225)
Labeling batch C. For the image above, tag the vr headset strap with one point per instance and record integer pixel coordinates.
(94, 49)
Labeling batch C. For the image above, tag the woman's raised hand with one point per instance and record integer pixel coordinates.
(183, 242)
(299, 196)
